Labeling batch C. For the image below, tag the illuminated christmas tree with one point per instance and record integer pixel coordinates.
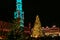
(36, 30)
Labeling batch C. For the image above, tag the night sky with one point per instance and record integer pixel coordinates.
(47, 11)
(7, 7)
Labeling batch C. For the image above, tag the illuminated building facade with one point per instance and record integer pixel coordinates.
(19, 14)
(51, 31)
(5, 27)
(28, 29)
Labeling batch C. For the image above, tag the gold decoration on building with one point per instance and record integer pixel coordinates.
(37, 30)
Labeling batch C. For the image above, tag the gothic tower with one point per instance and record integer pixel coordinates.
(19, 14)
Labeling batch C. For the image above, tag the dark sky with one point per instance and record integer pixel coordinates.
(48, 12)
(7, 7)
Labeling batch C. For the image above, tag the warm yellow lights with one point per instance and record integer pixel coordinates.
(36, 30)
(1, 38)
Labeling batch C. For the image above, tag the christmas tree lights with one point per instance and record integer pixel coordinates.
(36, 30)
